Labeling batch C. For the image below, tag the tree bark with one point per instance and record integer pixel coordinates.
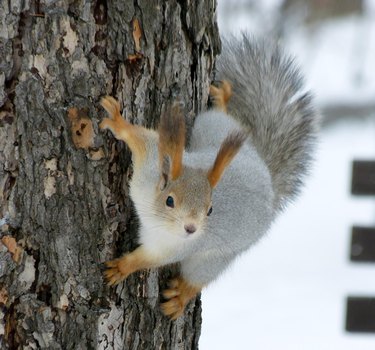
(64, 201)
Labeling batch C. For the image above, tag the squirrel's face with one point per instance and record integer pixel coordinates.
(185, 203)
(183, 199)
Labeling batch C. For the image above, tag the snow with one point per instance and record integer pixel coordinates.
(289, 292)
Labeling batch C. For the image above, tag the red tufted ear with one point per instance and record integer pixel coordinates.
(172, 141)
(228, 150)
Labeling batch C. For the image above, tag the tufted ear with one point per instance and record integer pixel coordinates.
(171, 142)
(165, 169)
(228, 150)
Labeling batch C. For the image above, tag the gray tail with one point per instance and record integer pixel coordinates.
(268, 99)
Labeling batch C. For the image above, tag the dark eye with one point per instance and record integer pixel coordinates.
(170, 202)
(209, 211)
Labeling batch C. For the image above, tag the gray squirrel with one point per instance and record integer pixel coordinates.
(204, 205)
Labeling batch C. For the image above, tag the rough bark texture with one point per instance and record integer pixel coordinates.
(64, 204)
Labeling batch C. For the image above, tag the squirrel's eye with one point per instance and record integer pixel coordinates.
(170, 202)
(209, 211)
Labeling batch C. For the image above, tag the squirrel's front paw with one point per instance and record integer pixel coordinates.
(178, 295)
(112, 106)
(116, 271)
(116, 123)
(113, 109)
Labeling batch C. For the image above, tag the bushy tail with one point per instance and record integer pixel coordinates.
(269, 100)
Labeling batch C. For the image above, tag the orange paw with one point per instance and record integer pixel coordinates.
(178, 295)
(220, 95)
(112, 107)
(115, 122)
(119, 269)
(116, 271)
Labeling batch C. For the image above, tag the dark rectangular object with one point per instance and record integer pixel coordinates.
(363, 177)
(360, 314)
(363, 244)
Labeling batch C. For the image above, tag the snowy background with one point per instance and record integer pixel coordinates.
(289, 292)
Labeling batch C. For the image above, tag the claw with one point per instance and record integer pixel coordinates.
(172, 308)
(110, 273)
(112, 263)
(170, 293)
(115, 280)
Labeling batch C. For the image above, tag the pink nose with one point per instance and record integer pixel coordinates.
(190, 228)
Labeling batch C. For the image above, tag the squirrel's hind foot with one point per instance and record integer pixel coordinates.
(220, 95)
(180, 292)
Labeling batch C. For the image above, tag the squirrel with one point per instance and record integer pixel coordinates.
(204, 205)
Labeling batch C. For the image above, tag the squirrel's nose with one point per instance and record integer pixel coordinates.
(190, 228)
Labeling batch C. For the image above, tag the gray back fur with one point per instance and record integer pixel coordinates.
(268, 98)
(242, 202)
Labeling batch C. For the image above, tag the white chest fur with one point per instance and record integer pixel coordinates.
(160, 242)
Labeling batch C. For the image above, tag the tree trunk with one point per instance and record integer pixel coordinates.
(64, 203)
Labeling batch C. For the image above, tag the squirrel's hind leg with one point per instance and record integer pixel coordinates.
(135, 136)
(220, 95)
(180, 292)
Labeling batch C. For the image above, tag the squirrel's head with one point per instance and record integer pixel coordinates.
(183, 198)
